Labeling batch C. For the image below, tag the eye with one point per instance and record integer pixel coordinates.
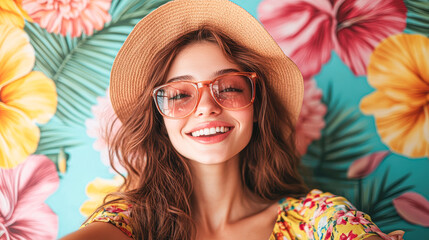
(179, 96)
(231, 89)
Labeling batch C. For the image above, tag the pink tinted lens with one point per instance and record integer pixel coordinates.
(177, 99)
(233, 91)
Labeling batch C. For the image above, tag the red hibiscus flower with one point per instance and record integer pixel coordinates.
(341, 219)
(308, 31)
(351, 236)
(114, 209)
(358, 219)
(329, 232)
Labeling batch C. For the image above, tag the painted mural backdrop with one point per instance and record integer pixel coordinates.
(363, 131)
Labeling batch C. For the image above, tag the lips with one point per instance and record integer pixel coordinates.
(210, 132)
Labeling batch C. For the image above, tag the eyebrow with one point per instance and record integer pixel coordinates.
(215, 74)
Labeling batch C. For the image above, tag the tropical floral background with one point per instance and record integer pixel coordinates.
(363, 130)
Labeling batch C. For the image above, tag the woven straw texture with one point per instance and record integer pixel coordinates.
(176, 18)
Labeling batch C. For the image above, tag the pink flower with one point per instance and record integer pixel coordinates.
(309, 203)
(310, 121)
(358, 219)
(366, 165)
(23, 190)
(351, 236)
(377, 230)
(320, 210)
(342, 217)
(413, 207)
(308, 31)
(329, 232)
(114, 209)
(308, 229)
(69, 16)
(104, 115)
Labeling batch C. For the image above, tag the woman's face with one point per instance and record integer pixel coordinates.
(197, 62)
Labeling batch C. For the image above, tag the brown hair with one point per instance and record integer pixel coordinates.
(158, 184)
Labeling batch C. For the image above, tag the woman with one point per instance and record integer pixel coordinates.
(208, 102)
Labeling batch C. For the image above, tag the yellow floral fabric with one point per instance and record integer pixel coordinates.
(316, 216)
(116, 214)
(320, 216)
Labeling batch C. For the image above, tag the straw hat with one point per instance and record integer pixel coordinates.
(178, 17)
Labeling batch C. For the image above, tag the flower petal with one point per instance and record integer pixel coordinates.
(29, 184)
(399, 66)
(303, 29)
(378, 104)
(96, 191)
(8, 194)
(404, 132)
(18, 136)
(69, 18)
(362, 25)
(11, 18)
(16, 54)
(364, 166)
(38, 179)
(33, 94)
(400, 126)
(413, 207)
(39, 223)
(11, 12)
(98, 127)
(399, 70)
(311, 119)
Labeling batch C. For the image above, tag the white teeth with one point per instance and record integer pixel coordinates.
(210, 131)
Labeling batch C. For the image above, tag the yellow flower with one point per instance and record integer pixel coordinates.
(399, 71)
(26, 97)
(96, 191)
(11, 12)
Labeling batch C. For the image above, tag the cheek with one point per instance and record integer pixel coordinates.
(246, 119)
(174, 128)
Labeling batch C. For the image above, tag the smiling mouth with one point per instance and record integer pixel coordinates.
(208, 132)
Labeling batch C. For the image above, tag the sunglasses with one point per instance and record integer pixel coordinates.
(232, 91)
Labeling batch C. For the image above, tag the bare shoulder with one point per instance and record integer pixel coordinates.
(98, 230)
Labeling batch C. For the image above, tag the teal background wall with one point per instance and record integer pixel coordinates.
(80, 66)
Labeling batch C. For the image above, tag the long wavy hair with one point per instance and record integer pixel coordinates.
(158, 184)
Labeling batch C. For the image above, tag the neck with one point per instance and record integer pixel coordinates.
(220, 198)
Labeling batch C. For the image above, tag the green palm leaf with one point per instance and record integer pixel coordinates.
(56, 138)
(375, 198)
(417, 16)
(56, 135)
(81, 66)
(342, 140)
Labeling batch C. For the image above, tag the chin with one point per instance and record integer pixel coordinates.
(211, 159)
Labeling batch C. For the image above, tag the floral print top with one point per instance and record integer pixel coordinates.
(316, 216)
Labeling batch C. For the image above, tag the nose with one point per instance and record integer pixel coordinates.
(207, 105)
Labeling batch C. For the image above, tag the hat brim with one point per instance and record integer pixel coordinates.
(176, 18)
